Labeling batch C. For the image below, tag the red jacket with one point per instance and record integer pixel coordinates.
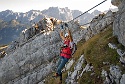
(66, 51)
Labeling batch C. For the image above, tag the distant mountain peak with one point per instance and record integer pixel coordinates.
(96, 12)
(16, 19)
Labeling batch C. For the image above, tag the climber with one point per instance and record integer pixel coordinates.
(66, 51)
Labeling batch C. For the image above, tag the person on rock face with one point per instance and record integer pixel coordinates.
(65, 53)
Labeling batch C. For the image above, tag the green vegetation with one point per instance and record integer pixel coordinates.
(96, 51)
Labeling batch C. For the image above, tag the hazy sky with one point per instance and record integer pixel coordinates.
(26, 5)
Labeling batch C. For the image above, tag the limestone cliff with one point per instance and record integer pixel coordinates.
(119, 21)
(31, 60)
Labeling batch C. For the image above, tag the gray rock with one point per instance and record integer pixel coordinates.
(115, 73)
(119, 21)
(122, 81)
(116, 2)
(112, 46)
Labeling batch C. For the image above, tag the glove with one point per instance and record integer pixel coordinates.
(66, 24)
(62, 27)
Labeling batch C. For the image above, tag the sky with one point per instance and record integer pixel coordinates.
(27, 5)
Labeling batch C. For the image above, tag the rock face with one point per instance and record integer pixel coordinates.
(114, 75)
(119, 21)
(32, 61)
(29, 62)
(116, 2)
(98, 24)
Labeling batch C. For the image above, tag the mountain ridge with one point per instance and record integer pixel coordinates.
(33, 16)
(18, 15)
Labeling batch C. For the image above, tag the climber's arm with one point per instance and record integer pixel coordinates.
(62, 36)
(70, 35)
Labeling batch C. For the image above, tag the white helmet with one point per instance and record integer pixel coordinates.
(66, 34)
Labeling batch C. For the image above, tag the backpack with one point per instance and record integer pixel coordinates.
(74, 48)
